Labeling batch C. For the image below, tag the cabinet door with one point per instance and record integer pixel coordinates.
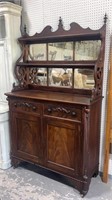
(63, 146)
(26, 136)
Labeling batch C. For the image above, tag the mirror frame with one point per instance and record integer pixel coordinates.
(75, 33)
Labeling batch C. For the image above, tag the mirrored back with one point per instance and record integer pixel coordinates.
(65, 51)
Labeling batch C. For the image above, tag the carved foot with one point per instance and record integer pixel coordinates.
(84, 189)
(83, 193)
(15, 162)
(96, 173)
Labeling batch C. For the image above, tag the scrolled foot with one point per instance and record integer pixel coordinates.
(83, 193)
(15, 162)
(95, 174)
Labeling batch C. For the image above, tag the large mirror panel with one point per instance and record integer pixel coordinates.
(60, 51)
(38, 52)
(84, 78)
(60, 77)
(87, 50)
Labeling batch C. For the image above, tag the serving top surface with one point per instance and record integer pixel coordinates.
(51, 96)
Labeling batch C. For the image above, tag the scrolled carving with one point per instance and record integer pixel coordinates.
(21, 74)
(99, 75)
(61, 109)
(26, 76)
(33, 72)
(27, 106)
(97, 91)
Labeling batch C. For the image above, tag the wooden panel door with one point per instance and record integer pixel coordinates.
(63, 146)
(26, 136)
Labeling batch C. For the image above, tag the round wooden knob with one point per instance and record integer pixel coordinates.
(49, 110)
(73, 113)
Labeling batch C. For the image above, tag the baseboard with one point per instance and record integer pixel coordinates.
(5, 165)
(109, 175)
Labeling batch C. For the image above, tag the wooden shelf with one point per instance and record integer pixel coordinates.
(59, 64)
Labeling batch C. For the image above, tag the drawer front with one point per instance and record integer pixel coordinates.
(25, 105)
(61, 111)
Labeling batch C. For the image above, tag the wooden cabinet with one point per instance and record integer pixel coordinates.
(26, 131)
(63, 139)
(26, 136)
(55, 110)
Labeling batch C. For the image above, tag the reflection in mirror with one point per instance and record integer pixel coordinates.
(60, 77)
(84, 78)
(42, 76)
(60, 51)
(38, 52)
(87, 50)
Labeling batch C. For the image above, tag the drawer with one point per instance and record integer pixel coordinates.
(61, 111)
(25, 105)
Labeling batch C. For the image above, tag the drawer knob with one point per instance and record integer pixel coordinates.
(49, 110)
(85, 177)
(34, 108)
(15, 104)
(73, 113)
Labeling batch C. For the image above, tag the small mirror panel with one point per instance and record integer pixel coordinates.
(87, 50)
(84, 78)
(38, 52)
(60, 77)
(60, 51)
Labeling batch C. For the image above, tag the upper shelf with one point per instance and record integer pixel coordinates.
(75, 33)
(64, 60)
(75, 44)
